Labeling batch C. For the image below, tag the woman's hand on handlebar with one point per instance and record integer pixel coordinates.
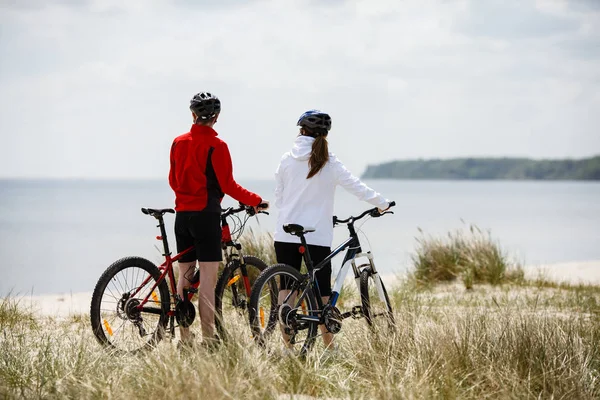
(390, 204)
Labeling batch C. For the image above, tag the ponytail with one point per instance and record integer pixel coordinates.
(318, 156)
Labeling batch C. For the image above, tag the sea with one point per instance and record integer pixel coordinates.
(58, 236)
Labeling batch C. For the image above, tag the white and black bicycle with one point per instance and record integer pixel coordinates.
(283, 296)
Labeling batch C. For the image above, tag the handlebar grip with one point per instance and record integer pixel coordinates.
(263, 205)
(392, 203)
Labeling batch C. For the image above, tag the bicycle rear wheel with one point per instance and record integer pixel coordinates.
(376, 306)
(117, 322)
(232, 294)
(266, 314)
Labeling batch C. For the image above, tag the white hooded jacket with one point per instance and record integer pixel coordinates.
(309, 202)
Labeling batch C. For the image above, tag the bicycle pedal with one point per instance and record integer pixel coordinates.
(357, 312)
(289, 331)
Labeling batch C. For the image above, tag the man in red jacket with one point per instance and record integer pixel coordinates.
(201, 174)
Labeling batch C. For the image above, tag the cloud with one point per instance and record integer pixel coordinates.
(514, 20)
(100, 88)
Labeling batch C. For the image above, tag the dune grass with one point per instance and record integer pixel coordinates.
(470, 255)
(502, 338)
(261, 244)
(490, 342)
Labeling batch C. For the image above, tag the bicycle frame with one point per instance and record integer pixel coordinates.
(354, 251)
(166, 268)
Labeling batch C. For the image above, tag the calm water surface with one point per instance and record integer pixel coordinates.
(59, 236)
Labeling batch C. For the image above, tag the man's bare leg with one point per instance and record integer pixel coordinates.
(186, 270)
(206, 298)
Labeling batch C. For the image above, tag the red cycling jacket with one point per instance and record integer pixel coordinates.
(201, 172)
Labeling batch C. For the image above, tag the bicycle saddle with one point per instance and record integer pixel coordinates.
(296, 229)
(158, 211)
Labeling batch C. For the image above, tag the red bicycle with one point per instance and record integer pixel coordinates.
(133, 306)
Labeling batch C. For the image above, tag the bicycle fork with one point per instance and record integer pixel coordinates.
(374, 274)
(239, 301)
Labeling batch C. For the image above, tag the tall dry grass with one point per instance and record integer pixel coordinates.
(530, 339)
(492, 342)
(259, 245)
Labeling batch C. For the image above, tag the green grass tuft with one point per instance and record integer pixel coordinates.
(472, 256)
(13, 313)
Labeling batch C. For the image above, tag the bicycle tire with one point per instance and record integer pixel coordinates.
(110, 286)
(367, 300)
(238, 296)
(263, 333)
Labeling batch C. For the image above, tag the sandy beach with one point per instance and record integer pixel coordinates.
(571, 272)
(59, 305)
(65, 304)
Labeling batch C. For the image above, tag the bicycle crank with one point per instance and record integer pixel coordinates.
(332, 318)
(185, 313)
(287, 316)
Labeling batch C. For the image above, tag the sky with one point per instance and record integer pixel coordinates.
(100, 88)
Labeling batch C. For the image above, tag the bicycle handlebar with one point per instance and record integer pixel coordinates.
(373, 212)
(242, 207)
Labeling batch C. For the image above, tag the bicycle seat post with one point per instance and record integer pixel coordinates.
(305, 252)
(163, 234)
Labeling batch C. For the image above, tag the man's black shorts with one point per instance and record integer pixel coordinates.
(288, 253)
(201, 229)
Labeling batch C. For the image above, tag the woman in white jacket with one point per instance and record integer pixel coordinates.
(306, 179)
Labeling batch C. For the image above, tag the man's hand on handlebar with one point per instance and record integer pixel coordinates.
(264, 206)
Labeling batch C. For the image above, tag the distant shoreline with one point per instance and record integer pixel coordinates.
(513, 169)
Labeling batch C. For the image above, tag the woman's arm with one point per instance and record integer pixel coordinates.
(354, 185)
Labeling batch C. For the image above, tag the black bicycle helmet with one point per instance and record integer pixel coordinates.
(205, 105)
(316, 121)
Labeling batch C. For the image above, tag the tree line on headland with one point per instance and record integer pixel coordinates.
(487, 168)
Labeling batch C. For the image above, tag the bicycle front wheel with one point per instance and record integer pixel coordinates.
(117, 319)
(376, 306)
(232, 294)
(283, 315)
